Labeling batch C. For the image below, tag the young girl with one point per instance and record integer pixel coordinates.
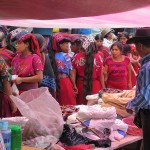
(87, 69)
(66, 87)
(101, 49)
(123, 37)
(118, 69)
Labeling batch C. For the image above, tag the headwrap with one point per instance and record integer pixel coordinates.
(22, 35)
(2, 36)
(86, 40)
(4, 30)
(75, 37)
(57, 38)
(133, 48)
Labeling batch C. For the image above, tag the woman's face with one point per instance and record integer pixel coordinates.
(64, 47)
(123, 39)
(21, 47)
(99, 43)
(74, 47)
(115, 51)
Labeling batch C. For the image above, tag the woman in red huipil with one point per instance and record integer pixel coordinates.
(87, 68)
(117, 69)
(66, 87)
(134, 58)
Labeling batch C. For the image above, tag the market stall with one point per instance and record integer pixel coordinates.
(120, 15)
(84, 124)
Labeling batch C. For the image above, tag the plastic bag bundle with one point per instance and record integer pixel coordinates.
(96, 112)
(71, 137)
(43, 112)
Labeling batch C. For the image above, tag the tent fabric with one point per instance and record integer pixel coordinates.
(75, 14)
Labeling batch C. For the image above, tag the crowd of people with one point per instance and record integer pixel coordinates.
(72, 67)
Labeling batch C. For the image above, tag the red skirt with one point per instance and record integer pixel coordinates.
(5, 109)
(96, 87)
(133, 77)
(66, 95)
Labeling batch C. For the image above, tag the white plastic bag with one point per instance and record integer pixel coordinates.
(96, 112)
(15, 89)
(43, 112)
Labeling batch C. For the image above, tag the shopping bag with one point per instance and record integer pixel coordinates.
(43, 112)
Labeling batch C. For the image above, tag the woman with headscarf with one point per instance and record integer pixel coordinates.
(6, 54)
(48, 74)
(87, 68)
(27, 63)
(66, 87)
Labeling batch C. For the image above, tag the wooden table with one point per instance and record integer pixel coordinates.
(126, 141)
(118, 144)
(30, 148)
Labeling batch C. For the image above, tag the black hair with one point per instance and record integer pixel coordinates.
(118, 44)
(99, 37)
(29, 42)
(126, 49)
(145, 42)
(123, 34)
(40, 39)
(64, 41)
(89, 62)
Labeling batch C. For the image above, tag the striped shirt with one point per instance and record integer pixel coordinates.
(142, 97)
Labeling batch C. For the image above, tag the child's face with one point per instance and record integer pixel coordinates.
(74, 47)
(123, 40)
(99, 43)
(64, 47)
(21, 47)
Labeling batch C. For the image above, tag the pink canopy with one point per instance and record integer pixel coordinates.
(75, 13)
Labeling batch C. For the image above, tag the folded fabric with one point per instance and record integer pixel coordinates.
(118, 100)
(96, 112)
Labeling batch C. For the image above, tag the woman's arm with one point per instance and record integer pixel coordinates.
(129, 76)
(105, 72)
(33, 79)
(102, 78)
(7, 89)
(73, 79)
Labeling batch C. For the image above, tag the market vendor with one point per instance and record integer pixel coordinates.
(141, 102)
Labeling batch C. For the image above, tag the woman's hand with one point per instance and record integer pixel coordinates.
(75, 89)
(13, 106)
(129, 86)
(18, 80)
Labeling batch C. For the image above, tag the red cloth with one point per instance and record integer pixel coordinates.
(79, 64)
(133, 77)
(79, 147)
(117, 73)
(66, 95)
(96, 87)
(105, 51)
(5, 109)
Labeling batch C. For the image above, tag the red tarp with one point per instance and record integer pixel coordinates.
(75, 13)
